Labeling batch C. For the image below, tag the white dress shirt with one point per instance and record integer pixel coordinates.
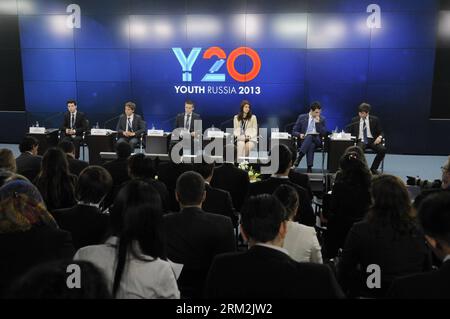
(72, 124)
(149, 279)
(311, 130)
(361, 123)
(131, 121)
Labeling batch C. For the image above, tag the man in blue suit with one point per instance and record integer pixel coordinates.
(308, 129)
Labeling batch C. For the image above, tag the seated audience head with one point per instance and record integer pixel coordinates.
(50, 281)
(190, 189)
(358, 152)
(245, 110)
(263, 220)
(434, 217)
(354, 171)
(123, 150)
(140, 166)
(391, 204)
(6, 176)
(7, 160)
(67, 147)
(22, 207)
(364, 110)
(446, 175)
(288, 196)
(29, 144)
(205, 169)
(54, 164)
(137, 218)
(94, 183)
(284, 158)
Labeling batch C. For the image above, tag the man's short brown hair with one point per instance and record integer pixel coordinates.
(131, 105)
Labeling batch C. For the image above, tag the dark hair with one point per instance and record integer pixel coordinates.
(49, 281)
(190, 188)
(66, 146)
(434, 216)
(131, 105)
(137, 217)
(93, 184)
(28, 143)
(71, 102)
(262, 216)
(284, 155)
(7, 160)
(204, 169)
(123, 149)
(354, 171)
(240, 116)
(140, 166)
(54, 180)
(364, 107)
(358, 152)
(288, 196)
(315, 105)
(190, 102)
(391, 204)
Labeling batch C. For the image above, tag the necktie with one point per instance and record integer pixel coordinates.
(72, 120)
(130, 127)
(186, 125)
(365, 140)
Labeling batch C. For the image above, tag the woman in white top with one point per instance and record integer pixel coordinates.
(133, 261)
(245, 130)
(301, 241)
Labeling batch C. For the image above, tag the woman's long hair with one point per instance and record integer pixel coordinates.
(392, 205)
(137, 218)
(240, 116)
(54, 180)
(354, 171)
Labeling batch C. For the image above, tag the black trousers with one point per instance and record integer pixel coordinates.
(379, 149)
(76, 140)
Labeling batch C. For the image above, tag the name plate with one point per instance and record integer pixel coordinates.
(37, 130)
(215, 134)
(280, 135)
(341, 136)
(99, 131)
(155, 132)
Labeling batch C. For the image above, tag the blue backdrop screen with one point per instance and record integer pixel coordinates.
(340, 53)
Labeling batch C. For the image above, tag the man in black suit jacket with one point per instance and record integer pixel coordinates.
(85, 221)
(369, 134)
(28, 163)
(434, 216)
(75, 165)
(305, 213)
(186, 119)
(130, 126)
(74, 125)
(217, 201)
(266, 271)
(194, 236)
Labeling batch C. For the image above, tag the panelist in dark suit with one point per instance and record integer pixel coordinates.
(194, 236)
(186, 120)
(308, 129)
(28, 163)
(434, 218)
(305, 213)
(266, 270)
(74, 125)
(130, 126)
(368, 131)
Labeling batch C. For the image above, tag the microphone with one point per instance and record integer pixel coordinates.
(46, 120)
(225, 122)
(111, 119)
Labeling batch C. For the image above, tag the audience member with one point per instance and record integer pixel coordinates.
(301, 241)
(194, 237)
(28, 233)
(54, 181)
(134, 262)
(446, 175)
(86, 221)
(28, 162)
(266, 270)
(75, 165)
(7, 160)
(388, 237)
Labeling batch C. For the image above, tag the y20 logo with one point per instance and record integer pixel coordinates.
(187, 62)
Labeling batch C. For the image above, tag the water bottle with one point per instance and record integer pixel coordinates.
(153, 127)
(37, 124)
(96, 125)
